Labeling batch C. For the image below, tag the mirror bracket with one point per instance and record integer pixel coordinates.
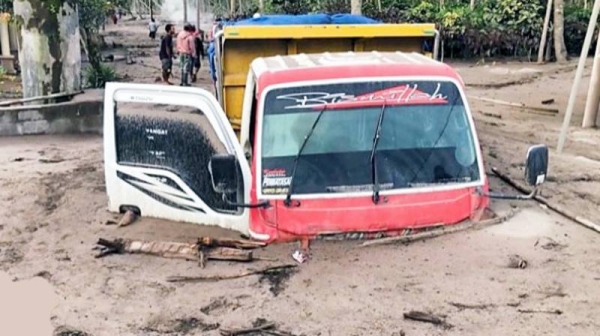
(262, 204)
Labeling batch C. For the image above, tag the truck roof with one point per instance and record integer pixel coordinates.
(323, 66)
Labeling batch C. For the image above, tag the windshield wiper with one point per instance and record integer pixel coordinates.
(288, 198)
(373, 158)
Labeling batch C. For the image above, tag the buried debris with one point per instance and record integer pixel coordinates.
(180, 326)
(531, 109)
(531, 311)
(68, 331)
(427, 318)
(196, 252)
(492, 115)
(516, 261)
(548, 101)
(128, 218)
(214, 278)
(552, 206)
(550, 244)
(464, 306)
(301, 256)
(434, 233)
(233, 243)
(277, 278)
(259, 327)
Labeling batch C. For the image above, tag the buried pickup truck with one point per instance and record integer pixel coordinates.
(375, 143)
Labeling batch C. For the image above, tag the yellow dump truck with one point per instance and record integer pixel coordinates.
(235, 47)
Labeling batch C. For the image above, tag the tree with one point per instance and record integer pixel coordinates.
(559, 31)
(92, 14)
(49, 50)
(355, 6)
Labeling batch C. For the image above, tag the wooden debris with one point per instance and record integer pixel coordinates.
(427, 318)
(128, 218)
(463, 306)
(546, 110)
(531, 311)
(548, 101)
(173, 250)
(434, 233)
(230, 254)
(245, 331)
(216, 278)
(554, 207)
(516, 261)
(233, 243)
(492, 115)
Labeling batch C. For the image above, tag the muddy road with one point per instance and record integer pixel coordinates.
(54, 210)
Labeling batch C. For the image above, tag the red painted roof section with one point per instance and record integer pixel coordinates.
(356, 71)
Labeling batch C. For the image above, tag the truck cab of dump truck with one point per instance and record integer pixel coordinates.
(347, 143)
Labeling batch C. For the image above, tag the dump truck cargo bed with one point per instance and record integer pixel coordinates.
(238, 46)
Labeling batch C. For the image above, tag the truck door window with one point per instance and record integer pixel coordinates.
(176, 138)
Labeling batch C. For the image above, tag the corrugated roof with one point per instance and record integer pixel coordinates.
(301, 61)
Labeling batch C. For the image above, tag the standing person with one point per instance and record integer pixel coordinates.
(152, 27)
(198, 53)
(166, 53)
(185, 49)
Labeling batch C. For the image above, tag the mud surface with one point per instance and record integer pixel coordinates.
(54, 210)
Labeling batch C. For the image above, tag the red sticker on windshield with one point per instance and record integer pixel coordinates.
(398, 95)
(405, 94)
(274, 172)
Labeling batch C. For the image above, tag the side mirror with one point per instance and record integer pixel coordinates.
(223, 173)
(536, 167)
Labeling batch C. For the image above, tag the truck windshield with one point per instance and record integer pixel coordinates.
(425, 137)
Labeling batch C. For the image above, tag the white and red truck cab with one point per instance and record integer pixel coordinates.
(367, 144)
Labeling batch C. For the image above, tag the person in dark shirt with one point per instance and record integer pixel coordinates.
(199, 53)
(166, 53)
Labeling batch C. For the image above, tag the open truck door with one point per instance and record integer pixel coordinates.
(158, 145)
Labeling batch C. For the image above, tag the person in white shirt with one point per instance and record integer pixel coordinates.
(152, 27)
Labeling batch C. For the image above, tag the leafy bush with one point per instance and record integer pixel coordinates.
(98, 77)
(494, 28)
(576, 23)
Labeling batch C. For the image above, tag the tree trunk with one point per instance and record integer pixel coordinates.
(49, 50)
(355, 6)
(559, 31)
(185, 12)
(232, 8)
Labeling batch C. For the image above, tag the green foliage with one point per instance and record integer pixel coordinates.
(92, 14)
(97, 77)
(576, 23)
(494, 28)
